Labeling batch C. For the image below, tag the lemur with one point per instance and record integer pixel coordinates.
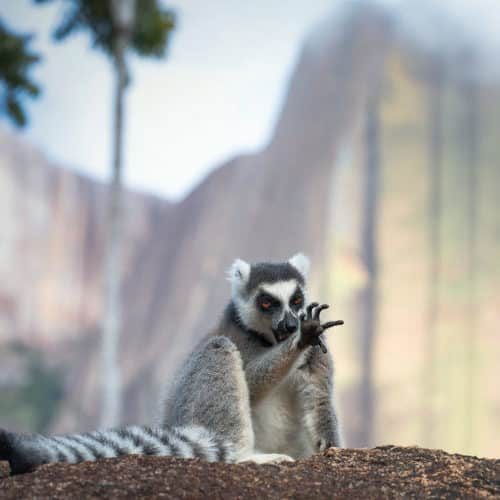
(258, 388)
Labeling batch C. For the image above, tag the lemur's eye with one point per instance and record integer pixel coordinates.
(296, 300)
(266, 302)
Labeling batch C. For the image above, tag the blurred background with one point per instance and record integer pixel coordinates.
(363, 133)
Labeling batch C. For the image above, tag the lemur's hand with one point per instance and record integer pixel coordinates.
(311, 327)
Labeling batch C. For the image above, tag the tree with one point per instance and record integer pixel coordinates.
(116, 27)
(16, 61)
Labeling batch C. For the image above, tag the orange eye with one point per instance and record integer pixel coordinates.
(265, 305)
(297, 301)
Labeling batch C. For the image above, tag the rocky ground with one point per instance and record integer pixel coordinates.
(384, 472)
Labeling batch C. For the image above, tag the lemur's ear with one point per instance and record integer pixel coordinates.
(301, 263)
(238, 274)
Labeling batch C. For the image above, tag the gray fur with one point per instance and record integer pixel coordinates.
(210, 391)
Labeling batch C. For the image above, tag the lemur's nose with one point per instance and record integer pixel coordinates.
(290, 324)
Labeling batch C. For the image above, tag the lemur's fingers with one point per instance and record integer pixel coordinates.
(318, 310)
(322, 346)
(310, 308)
(329, 324)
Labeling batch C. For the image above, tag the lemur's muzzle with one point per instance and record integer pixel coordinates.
(288, 325)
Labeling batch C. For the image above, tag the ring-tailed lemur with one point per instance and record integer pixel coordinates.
(285, 400)
(256, 389)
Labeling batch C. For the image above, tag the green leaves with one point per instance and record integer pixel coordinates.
(150, 35)
(16, 61)
(149, 38)
(152, 29)
(32, 398)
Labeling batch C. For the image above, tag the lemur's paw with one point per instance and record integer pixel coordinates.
(324, 444)
(267, 458)
(311, 327)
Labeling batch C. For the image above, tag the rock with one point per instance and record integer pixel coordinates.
(384, 472)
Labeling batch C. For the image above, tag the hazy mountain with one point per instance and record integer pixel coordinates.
(52, 243)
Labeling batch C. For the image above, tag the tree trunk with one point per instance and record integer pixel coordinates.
(435, 83)
(369, 258)
(112, 401)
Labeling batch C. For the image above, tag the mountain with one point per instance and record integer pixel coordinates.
(52, 239)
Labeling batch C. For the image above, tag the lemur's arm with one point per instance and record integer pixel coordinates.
(315, 380)
(266, 371)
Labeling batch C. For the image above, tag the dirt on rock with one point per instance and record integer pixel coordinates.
(384, 472)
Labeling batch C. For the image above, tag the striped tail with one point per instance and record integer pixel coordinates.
(26, 452)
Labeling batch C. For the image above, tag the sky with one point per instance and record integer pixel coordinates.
(217, 94)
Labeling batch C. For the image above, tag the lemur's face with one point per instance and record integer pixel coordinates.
(270, 296)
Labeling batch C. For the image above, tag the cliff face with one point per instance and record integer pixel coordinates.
(52, 246)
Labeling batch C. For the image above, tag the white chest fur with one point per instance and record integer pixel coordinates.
(278, 423)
